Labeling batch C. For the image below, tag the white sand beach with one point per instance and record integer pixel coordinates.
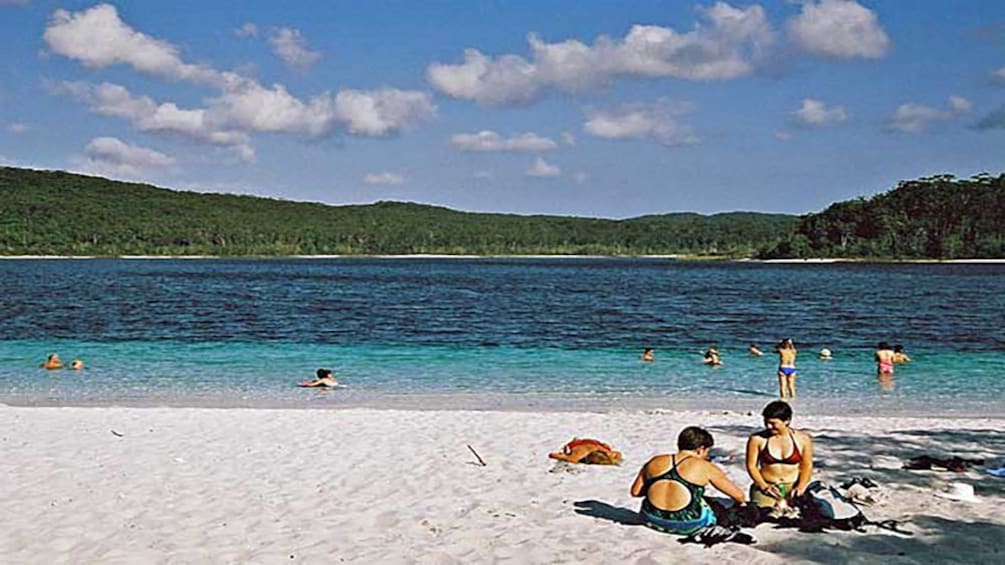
(181, 485)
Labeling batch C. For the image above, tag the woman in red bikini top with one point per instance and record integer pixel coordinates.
(779, 459)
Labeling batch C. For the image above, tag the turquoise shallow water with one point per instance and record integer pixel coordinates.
(498, 333)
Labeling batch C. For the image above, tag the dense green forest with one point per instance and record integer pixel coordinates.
(939, 217)
(51, 212)
(58, 213)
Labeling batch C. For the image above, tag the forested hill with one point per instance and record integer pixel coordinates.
(51, 212)
(938, 217)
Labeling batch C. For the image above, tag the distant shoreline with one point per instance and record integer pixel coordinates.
(674, 257)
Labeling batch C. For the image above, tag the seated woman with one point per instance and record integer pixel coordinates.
(673, 486)
(324, 378)
(53, 362)
(778, 478)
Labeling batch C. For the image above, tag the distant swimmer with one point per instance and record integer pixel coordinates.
(884, 359)
(825, 354)
(52, 362)
(712, 357)
(899, 356)
(754, 350)
(324, 379)
(647, 355)
(77, 365)
(786, 369)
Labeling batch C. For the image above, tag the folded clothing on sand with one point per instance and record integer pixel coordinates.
(586, 450)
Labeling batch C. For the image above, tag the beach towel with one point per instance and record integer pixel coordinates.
(589, 451)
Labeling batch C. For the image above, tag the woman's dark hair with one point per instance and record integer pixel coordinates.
(898, 348)
(322, 373)
(777, 410)
(693, 437)
(883, 345)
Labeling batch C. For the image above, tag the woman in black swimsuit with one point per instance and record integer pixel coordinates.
(779, 459)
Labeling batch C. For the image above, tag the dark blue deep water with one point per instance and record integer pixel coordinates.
(496, 331)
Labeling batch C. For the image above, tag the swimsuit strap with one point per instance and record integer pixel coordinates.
(795, 457)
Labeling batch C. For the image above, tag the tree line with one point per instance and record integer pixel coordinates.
(937, 217)
(59, 213)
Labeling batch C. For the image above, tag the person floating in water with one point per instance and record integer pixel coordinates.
(825, 354)
(52, 363)
(786, 369)
(712, 357)
(754, 350)
(673, 486)
(77, 365)
(899, 356)
(778, 479)
(324, 379)
(647, 355)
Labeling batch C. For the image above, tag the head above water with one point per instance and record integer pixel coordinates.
(324, 373)
(898, 348)
(883, 345)
(693, 438)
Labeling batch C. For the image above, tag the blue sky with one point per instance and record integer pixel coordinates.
(609, 109)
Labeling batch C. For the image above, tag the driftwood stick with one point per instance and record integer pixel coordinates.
(117, 434)
(480, 460)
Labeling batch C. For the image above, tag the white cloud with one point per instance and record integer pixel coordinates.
(998, 74)
(580, 177)
(917, 118)
(147, 115)
(484, 175)
(568, 138)
(17, 128)
(783, 135)
(642, 121)
(247, 29)
(112, 156)
(382, 112)
(543, 169)
(727, 47)
(815, 113)
(491, 141)
(384, 178)
(98, 38)
(290, 46)
(840, 29)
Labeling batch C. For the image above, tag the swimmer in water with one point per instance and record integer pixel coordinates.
(712, 357)
(52, 363)
(77, 365)
(754, 350)
(324, 379)
(899, 356)
(647, 355)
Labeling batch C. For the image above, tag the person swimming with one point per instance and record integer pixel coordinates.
(324, 379)
(672, 487)
(825, 354)
(777, 479)
(754, 350)
(884, 359)
(647, 355)
(899, 356)
(786, 369)
(712, 357)
(77, 365)
(52, 363)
